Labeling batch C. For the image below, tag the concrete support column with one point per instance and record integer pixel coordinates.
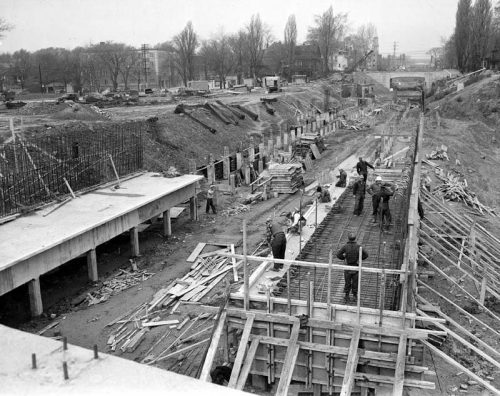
(261, 165)
(247, 174)
(134, 241)
(270, 147)
(225, 163)
(300, 131)
(36, 306)
(167, 225)
(232, 183)
(278, 142)
(313, 125)
(193, 208)
(262, 151)
(293, 135)
(239, 160)
(285, 141)
(92, 265)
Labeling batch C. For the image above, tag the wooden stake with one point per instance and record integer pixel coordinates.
(358, 303)
(245, 269)
(114, 169)
(69, 188)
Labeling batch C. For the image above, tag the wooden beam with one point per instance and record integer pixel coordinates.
(399, 374)
(207, 364)
(235, 268)
(241, 351)
(134, 241)
(289, 363)
(352, 364)
(194, 254)
(248, 364)
(92, 265)
(453, 362)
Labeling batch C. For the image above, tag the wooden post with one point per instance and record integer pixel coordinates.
(261, 166)
(238, 361)
(270, 147)
(262, 151)
(278, 142)
(207, 364)
(239, 160)
(329, 290)
(251, 151)
(226, 163)
(285, 141)
(13, 132)
(288, 297)
(114, 169)
(358, 303)
(211, 170)
(484, 281)
(293, 136)
(399, 374)
(248, 178)
(167, 225)
(69, 188)
(232, 183)
(35, 294)
(246, 290)
(134, 241)
(92, 265)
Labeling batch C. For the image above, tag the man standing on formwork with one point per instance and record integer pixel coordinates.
(277, 240)
(375, 190)
(362, 168)
(350, 254)
(358, 190)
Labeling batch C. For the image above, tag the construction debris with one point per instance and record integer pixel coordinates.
(116, 285)
(453, 189)
(440, 153)
(235, 209)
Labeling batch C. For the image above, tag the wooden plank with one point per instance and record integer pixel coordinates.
(453, 362)
(315, 151)
(290, 359)
(197, 250)
(160, 323)
(248, 364)
(235, 269)
(399, 375)
(351, 366)
(207, 364)
(241, 351)
(195, 345)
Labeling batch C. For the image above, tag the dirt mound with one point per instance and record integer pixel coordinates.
(480, 100)
(79, 112)
(38, 108)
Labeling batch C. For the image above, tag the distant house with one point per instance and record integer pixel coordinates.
(307, 60)
(338, 61)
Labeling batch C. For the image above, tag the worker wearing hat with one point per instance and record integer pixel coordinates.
(350, 254)
(276, 239)
(358, 190)
(375, 189)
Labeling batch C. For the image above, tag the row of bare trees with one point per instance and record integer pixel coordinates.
(111, 64)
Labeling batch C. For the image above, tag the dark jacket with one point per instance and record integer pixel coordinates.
(362, 167)
(272, 229)
(359, 188)
(375, 189)
(350, 253)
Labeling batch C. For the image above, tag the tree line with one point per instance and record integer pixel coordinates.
(109, 64)
(475, 37)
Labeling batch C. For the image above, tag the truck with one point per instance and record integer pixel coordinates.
(272, 83)
(410, 89)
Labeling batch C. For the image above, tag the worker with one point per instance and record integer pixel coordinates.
(362, 168)
(358, 190)
(221, 374)
(322, 194)
(420, 209)
(387, 191)
(342, 178)
(350, 254)
(295, 221)
(277, 240)
(210, 199)
(375, 190)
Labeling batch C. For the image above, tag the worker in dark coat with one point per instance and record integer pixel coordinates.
(386, 192)
(342, 178)
(210, 199)
(358, 190)
(323, 195)
(362, 168)
(375, 190)
(277, 240)
(350, 254)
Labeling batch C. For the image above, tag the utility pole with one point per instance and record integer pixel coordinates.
(40, 76)
(144, 49)
(394, 53)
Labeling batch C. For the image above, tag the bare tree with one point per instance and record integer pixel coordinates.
(290, 42)
(131, 59)
(113, 56)
(257, 37)
(328, 30)
(463, 21)
(4, 27)
(240, 51)
(219, 56)
(22, 64)
(480, 33)
(185, 44)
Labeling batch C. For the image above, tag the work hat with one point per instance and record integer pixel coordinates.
(378, 178)
(351, 236)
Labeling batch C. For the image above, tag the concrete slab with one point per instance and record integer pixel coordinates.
(37, 243)
(107, 375)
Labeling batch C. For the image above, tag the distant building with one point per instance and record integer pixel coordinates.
(372, 59)
(307, 60)
(338, 61)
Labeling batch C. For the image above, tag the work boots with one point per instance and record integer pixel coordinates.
(346, 298)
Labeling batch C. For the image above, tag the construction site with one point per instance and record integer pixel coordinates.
(111, 262)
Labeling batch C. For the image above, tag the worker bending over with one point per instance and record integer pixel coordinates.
(277, 240)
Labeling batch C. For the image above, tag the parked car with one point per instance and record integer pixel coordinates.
(148, 91)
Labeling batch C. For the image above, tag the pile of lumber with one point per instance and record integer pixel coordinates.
(286, 178)
(453, 189)
(440, 153)
(354, 125)
(235, 209)
(117, 284)
(309, 144)
(206, 272)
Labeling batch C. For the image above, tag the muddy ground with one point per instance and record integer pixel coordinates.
(471, 137)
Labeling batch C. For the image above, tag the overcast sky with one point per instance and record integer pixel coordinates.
(415, 25)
